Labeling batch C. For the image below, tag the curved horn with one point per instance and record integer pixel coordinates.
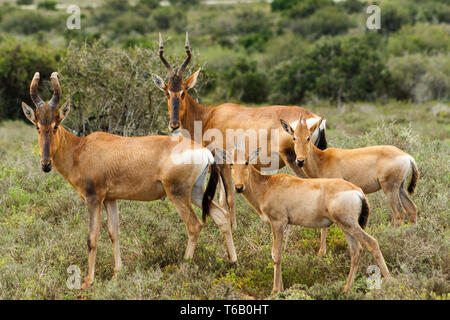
(38, 102)
(188, 58)
(161, 51)
(56, 90)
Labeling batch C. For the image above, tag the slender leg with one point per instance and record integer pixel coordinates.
(355, 254)
(228, 184)
(409, 205)
(112, 212)
(94, 208)
(323, 242)
(371, 243)
(180, 195)
(221, 218)
(222, 195)
(277, 249)
(393, 195)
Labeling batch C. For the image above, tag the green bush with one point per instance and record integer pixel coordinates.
(19, 60)
(24, 2)
(394, 15)
(330, 20)
(339, 70)
(421, 78)
(434, 12)
(420, 38)
(246, 84)
(353, 6)
(31, 22)
(281, 5)
(306, 8)
(47, 5)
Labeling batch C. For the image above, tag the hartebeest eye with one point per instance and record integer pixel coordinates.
(294, 138)
(182, 94)
(55, 127)
(37, 128)
(246, 163)
(307, 139)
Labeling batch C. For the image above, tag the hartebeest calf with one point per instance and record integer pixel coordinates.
(184, 111)
(370, 168)
(282, 199)
(104, 167)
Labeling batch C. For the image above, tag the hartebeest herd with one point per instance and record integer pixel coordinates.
(330, 187)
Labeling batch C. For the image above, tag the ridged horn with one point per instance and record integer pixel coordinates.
(38, 102)
(54, 101)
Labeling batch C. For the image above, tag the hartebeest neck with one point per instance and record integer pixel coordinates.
(314, 161)
(67, 147)
(194, 112)
(255, 186)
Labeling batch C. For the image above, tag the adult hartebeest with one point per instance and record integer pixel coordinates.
(370, 168)
(283, 199)
(104, 167)
(184, 111)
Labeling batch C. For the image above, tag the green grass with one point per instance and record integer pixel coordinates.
(43, 229)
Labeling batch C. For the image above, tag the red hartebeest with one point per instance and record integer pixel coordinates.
(104, 167)
(283, 199)
(184, 111)
(370, 168)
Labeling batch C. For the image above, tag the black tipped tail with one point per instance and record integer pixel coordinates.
(365, 212)
(210, 191)
(414, 178)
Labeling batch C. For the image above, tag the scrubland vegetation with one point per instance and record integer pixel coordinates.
(43, 228)
(375, 87)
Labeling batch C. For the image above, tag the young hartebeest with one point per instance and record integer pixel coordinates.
(104, 167)
(282, 199)
(184, 111)
(370, 168)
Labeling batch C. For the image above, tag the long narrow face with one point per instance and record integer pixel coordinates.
(239, 162)
(176, 89)
(47, 119)
(302, 139)
(176, 93)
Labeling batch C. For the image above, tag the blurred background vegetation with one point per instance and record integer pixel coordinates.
(283, 52)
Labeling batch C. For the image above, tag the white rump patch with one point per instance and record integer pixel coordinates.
(352, 198)
(405, 162)
(197, 156)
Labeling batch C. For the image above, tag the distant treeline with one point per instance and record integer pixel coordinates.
(289, 51)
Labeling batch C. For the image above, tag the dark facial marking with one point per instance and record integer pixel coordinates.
(175, 83)
(46, 115)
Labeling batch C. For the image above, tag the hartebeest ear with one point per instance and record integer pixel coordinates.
(29, 112)
(221, 156)
(317, 124)
(159, 82)
(192, 80)
(254, 155)
(287, 127)
(64, 111)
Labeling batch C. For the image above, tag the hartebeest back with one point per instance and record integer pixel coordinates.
(184, 111)
(104, 168)
(283, 199)
(370, 168)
